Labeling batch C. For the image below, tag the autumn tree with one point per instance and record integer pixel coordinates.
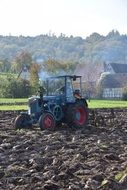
(24, 59)
(90, 73)
(34, 77)
(55, 67)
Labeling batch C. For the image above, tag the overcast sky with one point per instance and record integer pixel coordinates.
(70, 17)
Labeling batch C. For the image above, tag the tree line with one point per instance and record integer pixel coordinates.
(13, 85)
(53, 55)
(96, 47)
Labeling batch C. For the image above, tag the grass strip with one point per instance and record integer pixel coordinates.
(13, 108)
(107, 104)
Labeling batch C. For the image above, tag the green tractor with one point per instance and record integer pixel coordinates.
(60, 101)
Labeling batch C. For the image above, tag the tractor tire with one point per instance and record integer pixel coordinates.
(22, 121)
(47, 121)
(77, 115)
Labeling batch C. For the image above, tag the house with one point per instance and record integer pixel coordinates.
(113, 80)
(112, 85)
(111, 76)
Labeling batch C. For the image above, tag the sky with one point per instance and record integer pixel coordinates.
(70, 17)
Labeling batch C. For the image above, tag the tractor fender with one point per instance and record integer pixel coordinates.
(83, 100)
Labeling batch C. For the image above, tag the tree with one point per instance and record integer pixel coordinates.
(5, 65)
(99, 90)
(11, 87)
(54, 67)
(21, 60)
(34, 77)
(113, 34)
(90, 73)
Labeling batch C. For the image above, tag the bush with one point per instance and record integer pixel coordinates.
(11, 87)
(99, 91)
(124, 95)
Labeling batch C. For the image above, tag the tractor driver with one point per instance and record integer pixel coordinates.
(77, 94)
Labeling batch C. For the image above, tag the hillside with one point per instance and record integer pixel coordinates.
(96, 47)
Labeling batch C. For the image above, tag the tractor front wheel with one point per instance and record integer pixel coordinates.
(77, 115)
(47, 121)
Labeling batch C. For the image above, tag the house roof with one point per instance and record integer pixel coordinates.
(92, 72)
(119, 67)
(114, 81)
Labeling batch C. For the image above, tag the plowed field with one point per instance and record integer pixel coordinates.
(91, 158)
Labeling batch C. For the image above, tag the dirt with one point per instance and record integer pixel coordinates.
(91, 158)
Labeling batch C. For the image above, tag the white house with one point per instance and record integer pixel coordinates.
(114, 81)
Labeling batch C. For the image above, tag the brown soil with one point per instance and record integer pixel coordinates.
(88, 158)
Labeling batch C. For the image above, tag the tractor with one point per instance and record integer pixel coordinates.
(59, 101)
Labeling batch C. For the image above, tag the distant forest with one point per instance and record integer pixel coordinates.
(96, 47)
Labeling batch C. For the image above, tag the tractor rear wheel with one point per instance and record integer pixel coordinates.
(22, 121)
(47, 121)
(77, 115)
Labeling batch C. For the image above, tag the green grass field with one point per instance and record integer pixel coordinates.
(13, 108)
(91, 104)
(107, 104)
(13, 100)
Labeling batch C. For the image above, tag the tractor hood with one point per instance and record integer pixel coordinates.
(51, 99)
(54, 99)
